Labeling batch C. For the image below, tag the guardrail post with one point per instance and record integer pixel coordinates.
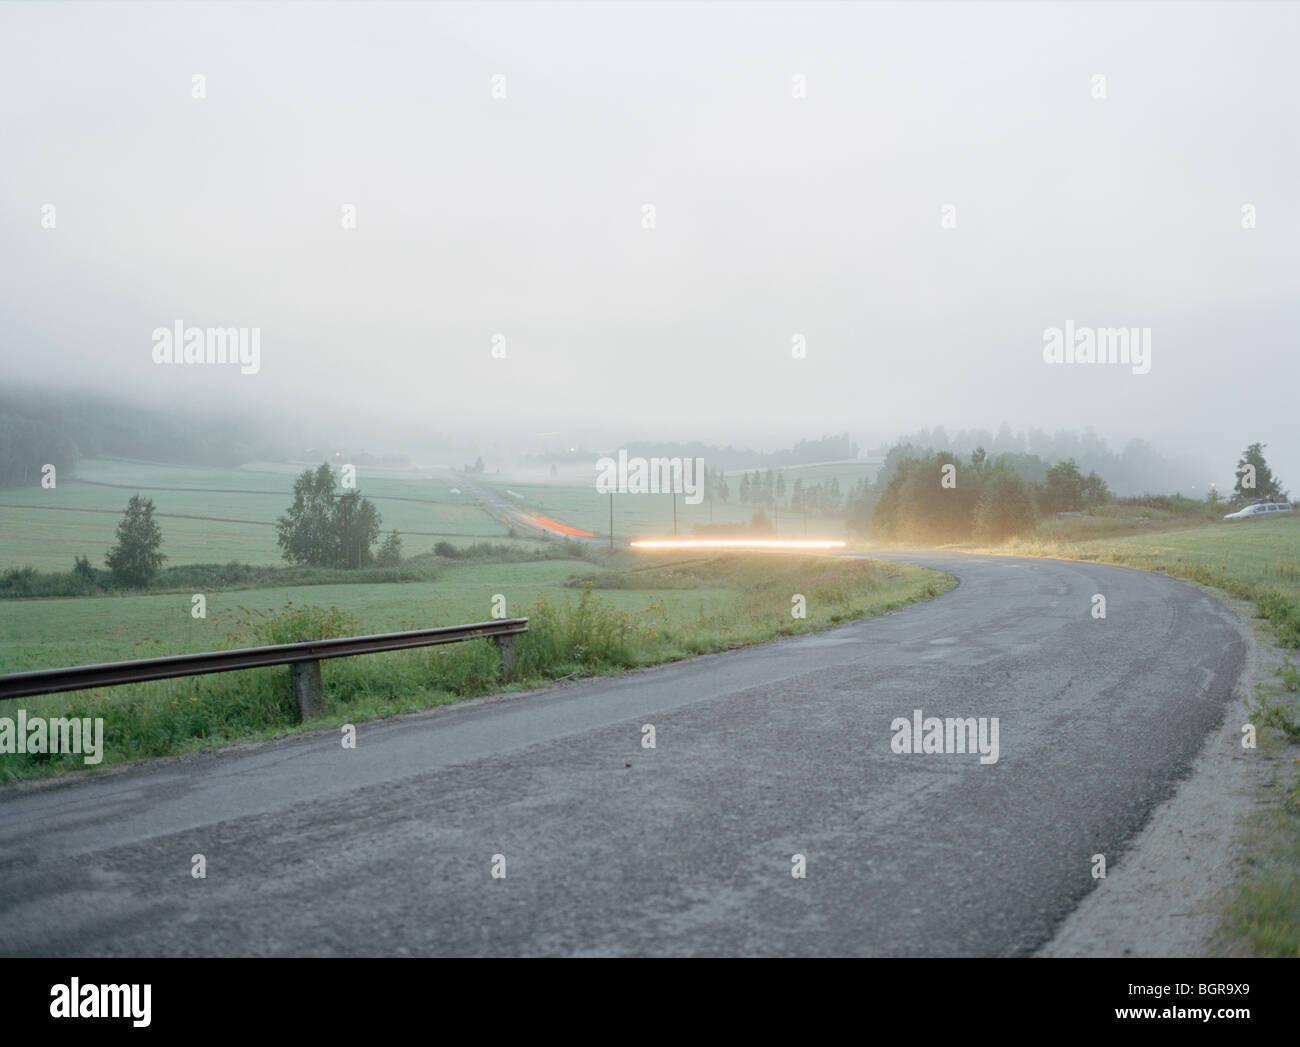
(308, 691)
(506, 648)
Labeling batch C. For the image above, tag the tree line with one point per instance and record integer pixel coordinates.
(946, 497)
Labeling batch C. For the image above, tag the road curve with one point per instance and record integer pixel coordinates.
(684, 849)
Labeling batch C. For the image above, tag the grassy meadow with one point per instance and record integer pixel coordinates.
(219, 515)
(212, 515)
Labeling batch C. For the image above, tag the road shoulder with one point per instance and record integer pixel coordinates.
(1166, 893)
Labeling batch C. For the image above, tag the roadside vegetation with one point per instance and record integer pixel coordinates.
(87, 580)
(580, 624)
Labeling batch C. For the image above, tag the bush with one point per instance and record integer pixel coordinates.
(390, 553)
(585, 636)
(28, 581)
(929, 512)
(19, 581)
(82, 569)
(292, 625)
(1282, 611)
(1005, 508)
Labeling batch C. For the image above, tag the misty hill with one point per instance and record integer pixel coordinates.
(37, 428)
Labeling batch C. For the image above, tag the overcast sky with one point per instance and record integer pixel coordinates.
(775, 215)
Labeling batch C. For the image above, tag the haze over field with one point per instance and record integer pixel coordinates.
(775, 216)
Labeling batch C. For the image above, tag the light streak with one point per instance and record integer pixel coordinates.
(562, 528)
(737, 543)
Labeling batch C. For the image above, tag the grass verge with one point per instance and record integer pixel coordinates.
(574, 630)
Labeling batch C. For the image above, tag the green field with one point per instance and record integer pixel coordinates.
(45, 633)
(213, 515)
(220, 515)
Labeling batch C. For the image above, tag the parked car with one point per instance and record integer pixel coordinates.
(1254, 512)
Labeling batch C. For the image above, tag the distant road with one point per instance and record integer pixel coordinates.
(685, 849)
(512, 514)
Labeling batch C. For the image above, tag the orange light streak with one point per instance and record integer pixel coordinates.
(737, 543)
(562, 528)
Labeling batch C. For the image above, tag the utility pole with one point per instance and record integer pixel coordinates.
(611, 519)
(674, 514)
(347, 544)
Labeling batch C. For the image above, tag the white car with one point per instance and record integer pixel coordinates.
(1254, 512)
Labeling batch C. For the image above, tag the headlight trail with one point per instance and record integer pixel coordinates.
(562, 528)
(736, 543)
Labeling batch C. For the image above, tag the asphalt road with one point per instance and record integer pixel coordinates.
(611, 848)
(513, 514)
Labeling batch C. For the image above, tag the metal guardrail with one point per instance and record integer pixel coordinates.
(302, 658)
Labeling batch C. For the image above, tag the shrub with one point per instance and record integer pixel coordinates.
(86, 573)
(1282, 611)
(1005, 508)
(292, 625)
(588, 635)
(20, 581)
(390, 553)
